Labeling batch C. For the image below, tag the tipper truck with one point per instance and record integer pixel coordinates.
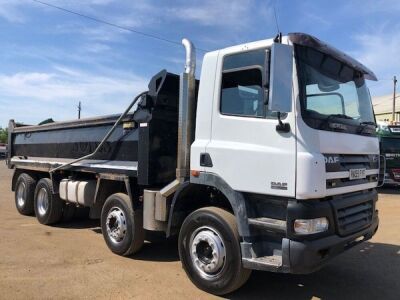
(270, 161)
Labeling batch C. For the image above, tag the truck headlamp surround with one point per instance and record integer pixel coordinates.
(310, 226)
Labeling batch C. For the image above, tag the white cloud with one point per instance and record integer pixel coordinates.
(226, 13)
(10, 11)
(228, 17)
(316, 19)
(16, 80)
(373, 6)
(13, 10)
(50, 87)
(68, 71)
(93, 32)
(378, 49)
(96, 47)
(31, 97)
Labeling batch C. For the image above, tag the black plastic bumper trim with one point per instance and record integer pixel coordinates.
(309, 256)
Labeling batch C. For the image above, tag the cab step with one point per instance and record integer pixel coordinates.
(271, 263)
(269, 224)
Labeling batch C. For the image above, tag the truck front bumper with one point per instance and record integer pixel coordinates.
(301, 257)
(353, 218)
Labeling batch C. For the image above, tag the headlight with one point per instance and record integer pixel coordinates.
(311, 226)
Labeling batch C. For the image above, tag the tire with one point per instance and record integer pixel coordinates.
(24, 194)
(122, 227)
(212, 229)
(69, 210)
(48, 206)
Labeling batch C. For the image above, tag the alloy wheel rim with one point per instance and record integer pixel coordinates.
(116, 225)
(43, 201)
(21, 194)
(207, 252)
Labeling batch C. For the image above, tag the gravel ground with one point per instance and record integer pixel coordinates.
(71, 261)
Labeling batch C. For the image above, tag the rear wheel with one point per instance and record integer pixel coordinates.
(209, 249)
(122, 226)
(48, 206)
(24, 194)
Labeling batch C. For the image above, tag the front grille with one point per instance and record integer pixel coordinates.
(355, 217)
(342, 182)
(345, 162)
(354, 213)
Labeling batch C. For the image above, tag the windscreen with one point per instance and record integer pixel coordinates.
(333, 95)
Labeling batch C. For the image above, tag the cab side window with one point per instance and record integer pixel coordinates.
(242, 92)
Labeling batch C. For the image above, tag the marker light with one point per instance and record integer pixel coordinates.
(311, 226)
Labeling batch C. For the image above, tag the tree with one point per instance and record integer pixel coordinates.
(3, 135)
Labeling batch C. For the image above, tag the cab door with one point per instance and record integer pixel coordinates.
(245, 148)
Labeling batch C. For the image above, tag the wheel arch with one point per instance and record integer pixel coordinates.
(207, 190)
(108, 185)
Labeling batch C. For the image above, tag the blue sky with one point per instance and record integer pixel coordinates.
(49, 60)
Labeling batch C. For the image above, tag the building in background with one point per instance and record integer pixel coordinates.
(383, 108)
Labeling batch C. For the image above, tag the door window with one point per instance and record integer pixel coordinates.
(244, 86)
(242, 94)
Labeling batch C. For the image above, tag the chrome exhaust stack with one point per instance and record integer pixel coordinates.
(190, 62)
(187, 109)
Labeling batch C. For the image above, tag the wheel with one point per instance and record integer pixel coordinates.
(48, 206)
(69, 210)
(209, 249)
(122, 226)
(24, 194)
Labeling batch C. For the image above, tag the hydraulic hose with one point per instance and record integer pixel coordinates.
(105, 137)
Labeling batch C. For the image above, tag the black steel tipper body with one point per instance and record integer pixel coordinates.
(77, 141)
(144, 144)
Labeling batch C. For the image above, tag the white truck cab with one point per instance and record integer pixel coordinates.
(238, 131)
(286, 125)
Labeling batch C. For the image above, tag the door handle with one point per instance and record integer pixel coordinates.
(205, 160)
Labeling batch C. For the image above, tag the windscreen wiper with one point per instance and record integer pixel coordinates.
(367, 124)
(337, 125)
(340, 116)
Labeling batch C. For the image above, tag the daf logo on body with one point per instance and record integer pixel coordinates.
(279, 185)
(331, 159)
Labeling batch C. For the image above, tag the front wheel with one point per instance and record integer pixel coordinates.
(209, 249)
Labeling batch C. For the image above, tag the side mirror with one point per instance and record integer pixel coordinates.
(280, 83)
